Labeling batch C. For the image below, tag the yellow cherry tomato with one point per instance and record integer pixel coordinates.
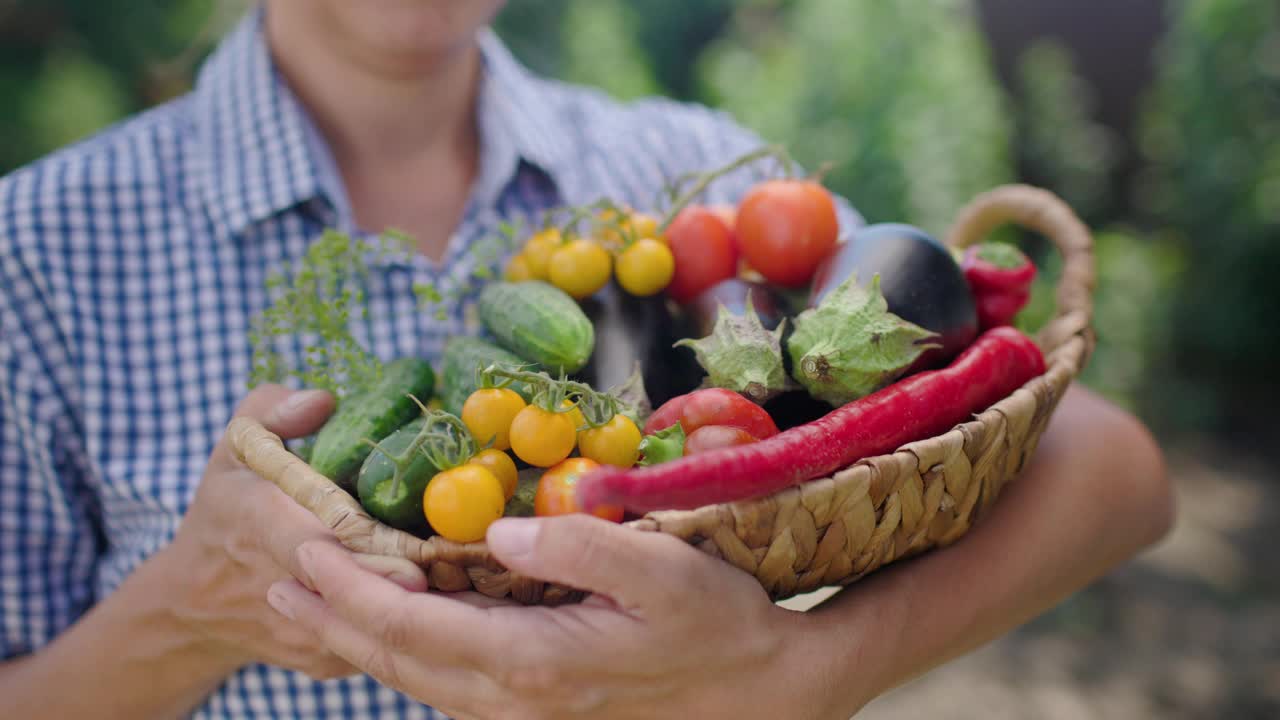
(646, 268)
(608, 225)
(502, 467)
(644, 225)
(575, 414)
(580, 268)
(617, 442)
(542, 438)
(488, 414)
(517, 269)
(538, 251)
(461, 504)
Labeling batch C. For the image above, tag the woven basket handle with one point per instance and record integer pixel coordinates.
(264, 453)
(1043, 212)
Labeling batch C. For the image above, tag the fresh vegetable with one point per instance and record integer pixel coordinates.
(733, 295)
(502, 467)
(645, 267)
(463, 358)
(461, 503)
(521, 504)
(631, 331)
(851, 345)
(616, 443)
(1000, 276)
(921, 406)
(538, 251)
(541, 437)
(714, 437)
(662, 446)
(740, 355)
(580, 267)
(713, 406)
(517, 270)
(393, 478)
(728, 214)
(557, 491)
(785, 228)
(919, 279)
(703, 250)
(540, 322)
(376, 412)
(488, 414)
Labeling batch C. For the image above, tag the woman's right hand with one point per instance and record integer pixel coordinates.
(220, 560)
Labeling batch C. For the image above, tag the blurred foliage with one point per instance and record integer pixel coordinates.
(1211, 138)
(902, 100)
(912, 139)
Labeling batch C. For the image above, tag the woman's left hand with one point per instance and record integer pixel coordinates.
(668, 627)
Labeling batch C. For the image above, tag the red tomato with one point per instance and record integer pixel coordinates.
(714, 437)
(704, 252)
(713, 406)
(557, 491)
(785, 228)
(728, 214)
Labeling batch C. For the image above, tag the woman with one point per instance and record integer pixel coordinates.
(137, 558)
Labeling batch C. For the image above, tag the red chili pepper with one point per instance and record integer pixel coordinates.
(921, 406)
(1000, 276)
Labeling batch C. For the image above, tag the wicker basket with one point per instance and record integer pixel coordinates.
(830, 531)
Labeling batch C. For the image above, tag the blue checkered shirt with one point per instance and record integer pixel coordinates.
(132, 262)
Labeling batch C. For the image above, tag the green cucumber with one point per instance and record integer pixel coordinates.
(398, 504)
(340, 446)
(540, 322)
(463, 356)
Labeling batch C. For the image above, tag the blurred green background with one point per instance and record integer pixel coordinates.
(1158, 121)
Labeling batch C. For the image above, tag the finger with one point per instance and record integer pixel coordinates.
(480, 600)
(431, 627)
(281, 526)
(287, 413)
(398, 570)
(294, 415)
(581, 551)
(432, 684)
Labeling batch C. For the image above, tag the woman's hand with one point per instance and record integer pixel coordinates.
(669, 627)
(220, 562)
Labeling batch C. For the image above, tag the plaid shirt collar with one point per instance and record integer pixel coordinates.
(264, 156)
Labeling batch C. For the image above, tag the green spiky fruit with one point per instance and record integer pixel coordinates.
(851, 345)
(742, 356)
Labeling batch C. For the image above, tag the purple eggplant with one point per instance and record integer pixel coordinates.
(919, 278)
(632, 330)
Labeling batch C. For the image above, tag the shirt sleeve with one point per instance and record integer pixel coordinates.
(49, 538)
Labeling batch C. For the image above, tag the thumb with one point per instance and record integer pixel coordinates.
(287, 413)
(584, 552)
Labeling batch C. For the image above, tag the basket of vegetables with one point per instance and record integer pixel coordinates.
(806, 408)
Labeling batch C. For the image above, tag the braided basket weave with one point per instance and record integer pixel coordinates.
(826, 532)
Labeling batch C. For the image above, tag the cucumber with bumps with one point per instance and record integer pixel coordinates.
(463, 356)
(375, 413)
(540, 322)
(396, 501)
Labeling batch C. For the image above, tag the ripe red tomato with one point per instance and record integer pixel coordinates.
(704, 252)
(557, 491)
(714, 437)
(713, 406)
(785, 228)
